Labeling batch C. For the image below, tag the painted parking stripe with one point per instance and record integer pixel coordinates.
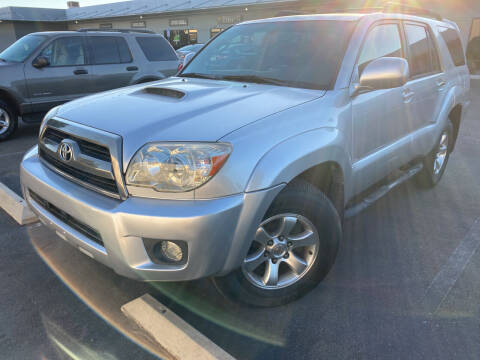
(446, 278)
(15, 206)
(172, 333)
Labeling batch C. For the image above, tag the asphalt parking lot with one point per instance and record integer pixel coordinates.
(405, 284)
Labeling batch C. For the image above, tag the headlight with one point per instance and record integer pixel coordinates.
(176, 167)
(47, 117)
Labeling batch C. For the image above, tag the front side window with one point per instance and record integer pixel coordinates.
(109, 50)
(20, 50)
(382, 41)
(65, 51)
(423, 56)
(305, 54)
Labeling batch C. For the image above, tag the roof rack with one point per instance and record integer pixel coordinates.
(390, 7)
(117, 30)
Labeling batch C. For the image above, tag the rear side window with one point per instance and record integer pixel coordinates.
(423, 56)
(156, 48)
(450, 36)
(382, 41)
(110, 50)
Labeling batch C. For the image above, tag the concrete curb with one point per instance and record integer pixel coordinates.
(15, 206)
(173, 334)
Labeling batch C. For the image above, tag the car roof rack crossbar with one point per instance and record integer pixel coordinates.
(390, 7)
(117, 30)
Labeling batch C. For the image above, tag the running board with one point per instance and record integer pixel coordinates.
(382, 190)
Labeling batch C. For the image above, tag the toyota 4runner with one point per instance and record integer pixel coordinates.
(242, 166)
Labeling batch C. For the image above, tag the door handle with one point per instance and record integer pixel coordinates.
(80, 72)
(441, 83)
(132, 68)
(408, 95)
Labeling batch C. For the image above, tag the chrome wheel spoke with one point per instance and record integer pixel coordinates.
(3, 123)
(262, 236)
(307, 238)
(254, 261)
(286, 226)
(295, 263)
(270, 278)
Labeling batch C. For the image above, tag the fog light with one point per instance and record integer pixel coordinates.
(171, 251)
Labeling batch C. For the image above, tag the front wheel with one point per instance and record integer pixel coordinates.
(8, 120)
(435, 163)
(294, 248)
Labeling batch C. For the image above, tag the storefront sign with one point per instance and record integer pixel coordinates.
(138, 25)
(229, 19)
(178, 22)
(106, 26)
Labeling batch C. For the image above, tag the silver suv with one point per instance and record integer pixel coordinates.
(243, 166)
(46, 69)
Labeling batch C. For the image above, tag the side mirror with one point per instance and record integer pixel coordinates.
(187, 58)
(40, 62)
(384, 73)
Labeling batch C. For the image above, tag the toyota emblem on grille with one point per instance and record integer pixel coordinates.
(65, 151)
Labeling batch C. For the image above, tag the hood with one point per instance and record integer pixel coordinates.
(181, 109)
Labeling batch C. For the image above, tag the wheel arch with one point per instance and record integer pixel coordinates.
(455, 117)
(317, 156)
(10, 99)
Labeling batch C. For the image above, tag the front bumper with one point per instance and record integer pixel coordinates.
(218, 231)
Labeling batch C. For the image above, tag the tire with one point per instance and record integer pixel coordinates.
(431, 173)
(310, 211)
(8, 120)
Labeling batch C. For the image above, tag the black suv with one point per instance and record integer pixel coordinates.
(45, 69)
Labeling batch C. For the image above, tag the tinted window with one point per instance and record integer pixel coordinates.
(450, 36)
(423, 57)
(381, 41)
(156, 48)
(65, 51)
(109, 50)
(21, 49)
(304, 54)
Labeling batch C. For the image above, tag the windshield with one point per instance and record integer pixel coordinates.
(21, 49)
(304, 54)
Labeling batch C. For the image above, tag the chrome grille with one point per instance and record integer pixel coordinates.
(93, 156)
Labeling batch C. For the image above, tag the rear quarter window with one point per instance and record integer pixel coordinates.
(454, 44)
(156, 48)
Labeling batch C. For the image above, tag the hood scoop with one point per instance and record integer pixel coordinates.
(170, 93)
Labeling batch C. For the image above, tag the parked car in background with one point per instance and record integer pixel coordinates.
(193, 48)
(45, 69)
(243, 166)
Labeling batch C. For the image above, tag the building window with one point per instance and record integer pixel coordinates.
(193, 36)
(178, 22)
(138, 25)
(215, 31)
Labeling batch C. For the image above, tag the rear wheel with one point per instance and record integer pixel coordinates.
(8, 120)
(435, 163)
(293, 250)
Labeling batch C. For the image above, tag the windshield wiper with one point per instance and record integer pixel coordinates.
(199, 76)
(256, 79)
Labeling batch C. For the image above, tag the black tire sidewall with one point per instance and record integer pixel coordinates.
(13, 120)
(313, 205)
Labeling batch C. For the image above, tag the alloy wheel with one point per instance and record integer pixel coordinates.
(441, 154)
(283, 251)
(4, 121)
